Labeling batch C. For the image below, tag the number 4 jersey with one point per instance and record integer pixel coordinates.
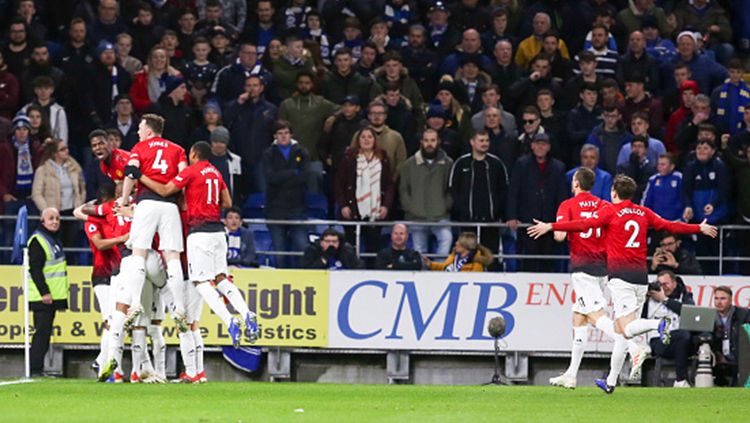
(159, 160)
(587, 251)
(203, 185)
(625, 226)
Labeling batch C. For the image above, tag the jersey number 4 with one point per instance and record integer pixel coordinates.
(160, 164)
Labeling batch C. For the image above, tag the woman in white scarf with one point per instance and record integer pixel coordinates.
(364, 187)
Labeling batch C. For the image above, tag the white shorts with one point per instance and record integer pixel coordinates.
(627, 298)
(152, 306)
(151, 217)
(156, 271)
(207, 255)
(121, 290)
(589, 295)
(194, 305)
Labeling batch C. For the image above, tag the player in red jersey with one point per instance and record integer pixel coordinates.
(112, 161)
(625, 225)
(206, 194)
(160, 160)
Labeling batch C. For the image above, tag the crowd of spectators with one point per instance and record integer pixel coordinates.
(429, 111)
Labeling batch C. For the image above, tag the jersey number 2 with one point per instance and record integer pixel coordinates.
(213, 191)
(632, 243)
(160, 164)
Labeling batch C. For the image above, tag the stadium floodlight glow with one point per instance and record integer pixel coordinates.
(496, 329)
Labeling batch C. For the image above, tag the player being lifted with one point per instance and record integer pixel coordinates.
(160, 160)
(205, 195)
(588, 260)
(625, 225)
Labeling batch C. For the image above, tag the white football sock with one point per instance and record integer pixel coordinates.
(103, 348)
(213, 299)
(159, 348)
(138, 350)
(134, 275)
(617, 360)
(233, 295)
(640, 326)
(167, 297)
(198, 339)
(176, 284)
(580, 335)
(187, 350)
(606, 325)
(117, 337)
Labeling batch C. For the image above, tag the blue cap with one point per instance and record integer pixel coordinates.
(172, 82)
(103, 46)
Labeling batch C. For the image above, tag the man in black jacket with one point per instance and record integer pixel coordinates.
(478, 184)
(286, 167)
(48, 291)
(537, 187)
(667, 302)
(398, 256)
(725, 341)
(178, 116)
(331, 252)
(670, 256)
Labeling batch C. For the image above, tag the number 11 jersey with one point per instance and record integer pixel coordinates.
(203, 185)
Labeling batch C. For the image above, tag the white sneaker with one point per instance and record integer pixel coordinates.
(636, 362)
(564, 381)
(681, 384)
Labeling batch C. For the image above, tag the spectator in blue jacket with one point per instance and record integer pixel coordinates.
(664, 190)
(705, 71)
(706, 185)
(471, 44)
(730, 100)
(603, 181)
(639, 126)
(663, 50)
(609, 137)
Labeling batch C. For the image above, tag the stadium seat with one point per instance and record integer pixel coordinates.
(263, 242)
(317, 206)
(254, 205)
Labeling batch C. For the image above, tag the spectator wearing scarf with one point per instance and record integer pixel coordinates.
(467, 256)
(19, 156)
(730, 99)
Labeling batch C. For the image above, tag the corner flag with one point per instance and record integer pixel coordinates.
(20, 235)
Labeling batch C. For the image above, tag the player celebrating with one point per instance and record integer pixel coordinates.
(625, 225)
(112, 161)
(206, 194)
(589, 271)
(161, 160)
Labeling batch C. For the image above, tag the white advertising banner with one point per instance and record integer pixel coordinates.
(450, 311)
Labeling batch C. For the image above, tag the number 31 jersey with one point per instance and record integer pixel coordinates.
(587, 251)
(159, 160)
(203, 185)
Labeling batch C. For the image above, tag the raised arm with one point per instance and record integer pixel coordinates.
(164, 190)
(655, 221)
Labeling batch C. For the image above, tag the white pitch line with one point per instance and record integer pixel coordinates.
(16, 382)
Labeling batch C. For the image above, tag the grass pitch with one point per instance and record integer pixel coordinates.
(83, 401)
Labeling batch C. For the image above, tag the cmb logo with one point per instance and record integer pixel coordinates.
(419, 313)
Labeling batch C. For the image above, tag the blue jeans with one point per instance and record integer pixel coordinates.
(288, 238)
(420, 238)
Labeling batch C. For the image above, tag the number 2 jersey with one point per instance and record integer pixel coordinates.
(625, 225)
(587, 251)
(203, 185)
(159, 160)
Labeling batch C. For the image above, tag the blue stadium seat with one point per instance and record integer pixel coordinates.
(317, 206)
(263, 242)
(254, 205)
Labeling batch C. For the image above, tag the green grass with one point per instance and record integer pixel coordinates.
(80, 401)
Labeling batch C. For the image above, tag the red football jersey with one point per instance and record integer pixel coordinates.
(159, 160)
(118, 225)
(203, 185)
(587, 251)
(105, 262)
(115, 167)
(625, 225)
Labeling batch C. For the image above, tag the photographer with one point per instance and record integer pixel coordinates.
(330, 252)
(665, 299)
(669, 256)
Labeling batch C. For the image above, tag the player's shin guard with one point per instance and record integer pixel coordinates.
(640, 326)
(176, 285)
(213, 299)
(198, 339)
(159, 349)
(617, 360)
(580, 335)
(233, 295)
(133, 269)
(187, 351)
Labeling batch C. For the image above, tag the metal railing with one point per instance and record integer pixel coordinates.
(722, 257)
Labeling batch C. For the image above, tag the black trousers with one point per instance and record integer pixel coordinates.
(545, 245)
(43, 320)
(678, 350)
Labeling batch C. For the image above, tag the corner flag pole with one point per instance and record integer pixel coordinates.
(26, 344)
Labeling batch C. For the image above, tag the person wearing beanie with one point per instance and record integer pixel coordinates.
(19, 157)
(179, 117)
(704, 70)
(228, 163)
(211, 120)
(107, 81)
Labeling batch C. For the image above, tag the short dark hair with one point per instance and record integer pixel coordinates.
(282, 124)
(585, 177)
(480, 133)
(342, 51)
(233, 209)
(155, 122)
(530, 110)
(586, 56)
(670, 157)
(392, 86)
(707, 127)
(105, 192)
(201, 40)
(600, 26)
(393, 55)
(589, 86)
(667, 272)
(544, 91)
(145, 7)
(708, 143)
(202, 149)
(735, 63)
(682, 65)
(43, 81)
(725, 289)
(640, 115)
(331, 232)
(640, 138)
(624, 186)
(609, 83)
(305, 72)
(97, 133)
(213, 3)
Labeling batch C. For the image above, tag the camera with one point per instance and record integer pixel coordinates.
(654, 286)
